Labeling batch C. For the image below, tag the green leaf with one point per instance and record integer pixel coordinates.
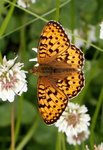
(48, 133)
(5, 114)
(6, 21)
(28, 112)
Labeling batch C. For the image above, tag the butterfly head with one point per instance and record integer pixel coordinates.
(34, 70)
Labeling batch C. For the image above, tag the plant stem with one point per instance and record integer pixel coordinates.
(58, 142)
(63, 142)
(72, 17)
(18, 122)
(33, 20)
(0, 57)
(12, 127)
(94, 119)
(57, 10)
(27, 136)
(7, 20)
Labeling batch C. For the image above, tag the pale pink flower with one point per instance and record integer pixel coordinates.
(79, 138)
(74, 120)
(12, 79)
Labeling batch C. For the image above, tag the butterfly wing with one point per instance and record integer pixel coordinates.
(54, 93)
(71, 84)
(56, 51)
(73, 58)
(53, 41)
(52, 101)
(55, 48)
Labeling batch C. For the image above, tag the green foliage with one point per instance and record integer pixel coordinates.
(5, 117)
(19, 32)
(28, 113)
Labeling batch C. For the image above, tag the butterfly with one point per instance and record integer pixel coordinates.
(60, 75)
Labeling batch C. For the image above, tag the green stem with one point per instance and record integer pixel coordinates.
(0, 57)
(88, 80)
(76, 147)
(27, 11)
(23, 41)
(83, 145)
(6, 20)
(63, 142)
(93, 45)
(31, 21)
(57, 10)
(72, 17)
(12, 127)
(94, 119)
(27, 136)
(101, 118)
(18, 123)
(58, 142)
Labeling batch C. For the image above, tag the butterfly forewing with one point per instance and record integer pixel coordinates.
(53, 41)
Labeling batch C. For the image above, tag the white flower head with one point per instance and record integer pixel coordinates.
(99, 147)
(86, 147)
(12, 79)
(91, 35)
(78, 41)
(77, 34)
(101, 30)
(25, 3)
(80, 137)
(74, 120)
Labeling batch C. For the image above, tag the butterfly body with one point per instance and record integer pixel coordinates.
(45, 70)
(60, 75)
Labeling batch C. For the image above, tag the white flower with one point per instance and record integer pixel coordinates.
(12, 79)
(78, 42)
(99, 147)
(77, 34)
(74, 120)
(25, 3)
(35, 49)
(35, 59)
(101, 30)
(86, 147)
(91, 35)
(80, 137)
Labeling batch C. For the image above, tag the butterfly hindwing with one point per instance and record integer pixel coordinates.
(73, 57)
(71, 84)
(52, 101)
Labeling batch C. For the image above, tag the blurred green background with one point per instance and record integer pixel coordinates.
(19, 32)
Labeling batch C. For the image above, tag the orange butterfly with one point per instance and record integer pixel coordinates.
(60, 71)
